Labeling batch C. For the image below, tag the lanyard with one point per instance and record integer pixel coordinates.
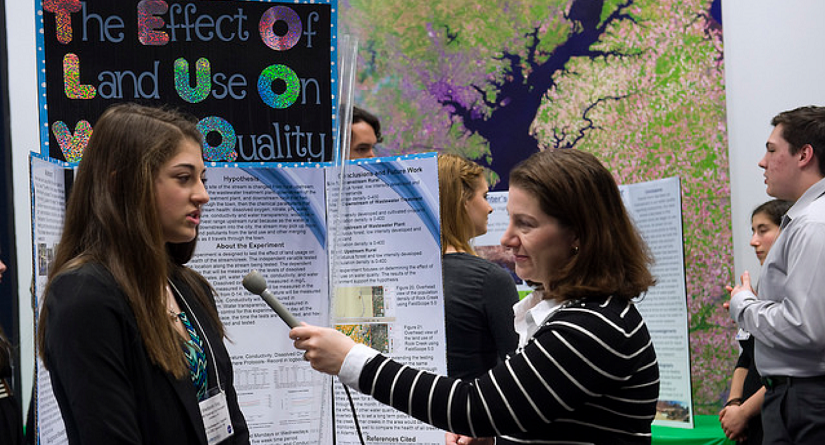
(205, 337)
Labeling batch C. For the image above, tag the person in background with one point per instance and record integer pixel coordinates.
(740, 418)
(589, 374)
(787, 318)
(365, 133)
(130, 335)
(478, 295)
(11, 420)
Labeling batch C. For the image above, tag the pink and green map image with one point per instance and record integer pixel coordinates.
(638, 83)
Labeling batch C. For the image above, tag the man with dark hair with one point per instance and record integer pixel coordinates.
(366, 132)
(787, 319)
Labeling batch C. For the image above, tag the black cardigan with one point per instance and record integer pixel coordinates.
(108, 390)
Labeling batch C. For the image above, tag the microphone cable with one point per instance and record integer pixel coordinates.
(354, 416)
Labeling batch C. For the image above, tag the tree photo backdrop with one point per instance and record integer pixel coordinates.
(638, 83)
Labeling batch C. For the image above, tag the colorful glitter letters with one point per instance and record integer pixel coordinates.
(71, 79)
(248, 70)
(63, 10)
(72, 145)
(148, 22)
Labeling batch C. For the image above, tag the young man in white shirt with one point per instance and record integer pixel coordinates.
(787, 319)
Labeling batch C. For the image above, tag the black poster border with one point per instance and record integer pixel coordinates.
(272, 95)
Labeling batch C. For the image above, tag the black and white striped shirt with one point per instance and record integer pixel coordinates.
(589, 375)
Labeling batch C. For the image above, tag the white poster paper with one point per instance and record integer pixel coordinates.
(656, 209)
(387, 283)
(270, 220)
(48, 185)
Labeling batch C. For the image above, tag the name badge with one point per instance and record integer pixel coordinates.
(743, 335)
(216, 420)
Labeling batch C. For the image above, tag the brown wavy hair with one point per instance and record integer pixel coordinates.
(576, 189)
(112, 220)
(457, 180)
(801, 126)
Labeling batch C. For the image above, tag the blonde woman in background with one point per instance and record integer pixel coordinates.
(478, 294)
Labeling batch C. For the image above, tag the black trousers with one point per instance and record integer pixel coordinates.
(794, 412)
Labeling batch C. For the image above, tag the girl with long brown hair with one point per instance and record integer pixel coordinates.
(130, 335)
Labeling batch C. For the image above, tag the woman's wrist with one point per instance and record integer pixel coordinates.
(354, 362)
(734, 401)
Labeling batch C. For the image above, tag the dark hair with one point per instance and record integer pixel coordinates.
(457, 181)
(576, 189)
(775, 209)
(362, 115)
(801, 126)
(112, 220)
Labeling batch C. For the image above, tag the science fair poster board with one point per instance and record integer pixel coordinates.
(656, 209)
(374, 272)
(258, 75)
(388, 284)
(50, 180)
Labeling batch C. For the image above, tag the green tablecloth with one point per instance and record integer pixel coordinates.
(706, 431)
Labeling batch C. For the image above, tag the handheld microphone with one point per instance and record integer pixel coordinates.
(254, 282)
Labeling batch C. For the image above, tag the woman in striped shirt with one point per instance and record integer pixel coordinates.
(589, 374)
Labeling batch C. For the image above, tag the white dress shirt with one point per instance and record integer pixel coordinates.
(530, 314)
(787, 319)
